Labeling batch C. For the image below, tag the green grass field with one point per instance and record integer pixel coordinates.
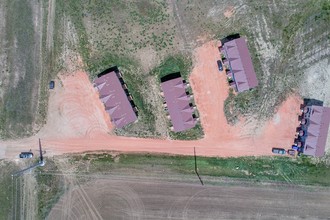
(173, 64)
(302, 170)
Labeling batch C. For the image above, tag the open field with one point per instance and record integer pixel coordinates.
(120, 185)
(72, 41)
(29, 195)
(132, 197)
(26, 65)
(72, 128)
(78, 120)
(21, 39)
(48, 188)
(6, 189)
(145, 33)
(18, 196)
(139, 36)
(281, 35)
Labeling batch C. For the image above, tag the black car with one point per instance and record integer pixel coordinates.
(220, 65)
(26, 155)
(51, 85)
(279, 151)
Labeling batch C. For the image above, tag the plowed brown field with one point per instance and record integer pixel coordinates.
(128, 198)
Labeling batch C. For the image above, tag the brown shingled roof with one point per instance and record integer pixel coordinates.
(317, 130)
(178, 104)
(241, 65)
(115, 99)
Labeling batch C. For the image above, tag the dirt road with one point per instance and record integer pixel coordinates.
(135, 198)
(78, 122)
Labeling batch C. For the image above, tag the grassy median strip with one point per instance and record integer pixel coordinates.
(302, 170)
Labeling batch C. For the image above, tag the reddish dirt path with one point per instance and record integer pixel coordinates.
(75, 110)
(210, 90)
(77, 121)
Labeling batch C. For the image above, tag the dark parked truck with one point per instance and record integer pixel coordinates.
(26, 155)
(220, 67)
(279, 151)
(52, 84)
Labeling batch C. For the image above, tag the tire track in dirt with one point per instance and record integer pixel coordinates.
(81, 208)
(77, 204)
(181, 27)
(30, 202)
(132, 204)
(68, 200)
(78, 112)
(50, 24)
(93, 210)
(186, 207)
(88, 199)
(120, 198)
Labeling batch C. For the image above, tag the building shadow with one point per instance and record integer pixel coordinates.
(114, 68)
(308, 102)
(229, 38)
(170, 77)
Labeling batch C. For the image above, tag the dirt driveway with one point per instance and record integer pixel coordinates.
(77, 121)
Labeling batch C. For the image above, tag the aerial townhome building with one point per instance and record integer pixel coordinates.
(114, 94)
(177, 102)
(313, 131)
(238, 63)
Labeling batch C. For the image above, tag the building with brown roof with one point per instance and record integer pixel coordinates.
(177, 102)
(240, 68)
(313, 132)
(116, 98)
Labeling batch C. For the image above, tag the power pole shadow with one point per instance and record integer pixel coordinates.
(196, 170)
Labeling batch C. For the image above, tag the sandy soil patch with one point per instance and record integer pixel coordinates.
(229, 12)
(78, 122)
(75, 109)
(148, 58)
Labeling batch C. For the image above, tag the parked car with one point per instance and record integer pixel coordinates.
(51, 84)
(291, 152)
(26, 155)
(295, 147)
(279, 151)
(220, 67)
